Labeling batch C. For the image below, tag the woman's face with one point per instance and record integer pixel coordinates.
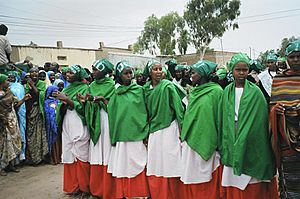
(240, 72)
(42, 76)
(71, 77)
(271, 65)
(11, 78)
(61, 86)
(127, 76)
(34, 75)
(156, 72)
(52, 77)
(97, 74)
(294, 60)
(195, 77)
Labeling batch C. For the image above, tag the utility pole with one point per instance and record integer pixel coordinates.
(223, 62)
(250, 51)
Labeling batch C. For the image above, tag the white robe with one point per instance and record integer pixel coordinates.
(164, 152)
(75, 139)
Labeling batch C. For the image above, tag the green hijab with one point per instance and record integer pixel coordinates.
(292, 47)
(122, 66)
(104, 66)
(256, 65)
(247, 148)
(221, 73)
(199, 128)
(3, 78)
(272, 57)
(79, 72)
(149, 66)
(240, 57)
(204, 68)
(127, 114)
(103, 87)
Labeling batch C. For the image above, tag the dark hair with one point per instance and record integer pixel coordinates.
(3, 29)
(118, 78)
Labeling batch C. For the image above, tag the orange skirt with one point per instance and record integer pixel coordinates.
(96, 180)
(132, 187)
(76, 177)
(207, 190)
(164, 188)
(262, 190)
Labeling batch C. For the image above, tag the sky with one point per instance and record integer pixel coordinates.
(117, 23)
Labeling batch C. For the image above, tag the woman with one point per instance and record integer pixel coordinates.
(10, 136)
(51, 76)
(200, 159)
(43, 76)
(37, 146)
(59, 83)
(285, 123)
(244, 145)
(53, 136)
(75, 135)
(164, 147)
(100, 91)
(128, 126)
(18, 90)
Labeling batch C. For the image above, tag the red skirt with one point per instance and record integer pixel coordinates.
(207, 190)
(262, 190)
(164, 188)
(76, 177)
(132, 187)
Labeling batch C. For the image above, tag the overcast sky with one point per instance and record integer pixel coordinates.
(263, 23)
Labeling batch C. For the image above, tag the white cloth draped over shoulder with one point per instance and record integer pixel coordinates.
(75, 139)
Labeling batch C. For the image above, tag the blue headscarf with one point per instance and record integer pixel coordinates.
(50, 105)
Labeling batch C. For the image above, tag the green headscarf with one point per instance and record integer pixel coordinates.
(292, 47)
(14, 73)
(204, 68)
(122, 65)
(256, 65)
(221, 73)
(138, 72)
(281, 59)
(79, 72)
(240, 57)
(3, 78)
(65, 69)
(180, 67)
(104, 66)
(149, 66)
(272, 57)
(171, 62)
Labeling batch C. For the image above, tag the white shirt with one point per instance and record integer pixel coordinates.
(5, 47)
(238, 95)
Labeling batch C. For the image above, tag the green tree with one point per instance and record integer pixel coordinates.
(162, 34)
(284, 43)
(208, 19)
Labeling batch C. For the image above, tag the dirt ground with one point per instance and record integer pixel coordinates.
(41, 182)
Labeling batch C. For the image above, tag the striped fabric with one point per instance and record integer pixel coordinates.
(285, 131)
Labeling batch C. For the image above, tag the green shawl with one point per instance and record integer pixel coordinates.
(104, 87)
(163, 105)
(127, 113)
(41, 87)
(199, 128)
(71, 91)
(247, 151)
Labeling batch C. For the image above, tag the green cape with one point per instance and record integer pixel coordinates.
(127, 113)
(163, 104)
(247, 151)
(199, 128)
(41, 86)
(71, 90)
(104, 87)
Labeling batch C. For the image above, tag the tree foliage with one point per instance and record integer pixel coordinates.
(208, 19)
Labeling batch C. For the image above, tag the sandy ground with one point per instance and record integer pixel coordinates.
(42, 182)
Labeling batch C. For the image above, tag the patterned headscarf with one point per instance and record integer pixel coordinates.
(272, 57)
(149, 66)
(256, 65)
(180, 67)
(103, 65)
(122, 65)
(79, 72)
(292, 47)
(204, 68)
(240, 57)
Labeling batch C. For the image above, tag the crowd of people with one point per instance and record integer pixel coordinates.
(167, 131)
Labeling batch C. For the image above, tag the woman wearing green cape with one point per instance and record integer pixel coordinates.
(165, 111)
(128, 126)
(200, 159)
(244, 145)
(75, 136)
(36, 135)
(100, 91)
